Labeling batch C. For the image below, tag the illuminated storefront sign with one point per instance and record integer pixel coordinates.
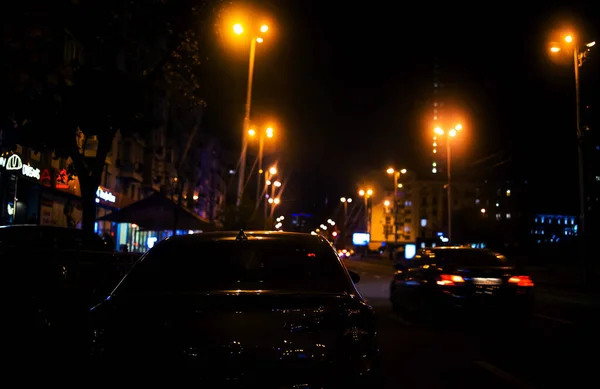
(11, 163)
(62, 179)
(45, 178)
(29, 171)
(106, 195)
(14, 162)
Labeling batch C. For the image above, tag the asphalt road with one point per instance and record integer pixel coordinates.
(556, 348)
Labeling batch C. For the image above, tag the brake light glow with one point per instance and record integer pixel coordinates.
(521, 280)
(449, 280)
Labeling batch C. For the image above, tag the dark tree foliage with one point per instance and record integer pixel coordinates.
(75, 71)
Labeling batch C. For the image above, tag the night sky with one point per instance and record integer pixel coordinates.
(350, 84)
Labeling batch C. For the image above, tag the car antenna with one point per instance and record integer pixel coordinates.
(241, 236)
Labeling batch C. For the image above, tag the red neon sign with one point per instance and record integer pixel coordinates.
(62, 179)
(45, 178)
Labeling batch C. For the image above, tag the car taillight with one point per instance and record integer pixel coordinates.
(521, 280)
(449, 280)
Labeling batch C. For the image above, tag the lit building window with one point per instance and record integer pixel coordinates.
(508, 193)
(423, 222)
(508, 216)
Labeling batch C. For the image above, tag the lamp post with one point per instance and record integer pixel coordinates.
(395, 176)
(345, 201)
(578, 58)
(449, 135)
(261, 146)
(268, 175)
(239, 30)
(274, 201)
(366, 195)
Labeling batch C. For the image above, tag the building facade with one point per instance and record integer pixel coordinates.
(422, 211)
(38, 188)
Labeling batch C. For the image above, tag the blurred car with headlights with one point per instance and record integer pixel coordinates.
(448, 279)
(247, 309)
(345, 253)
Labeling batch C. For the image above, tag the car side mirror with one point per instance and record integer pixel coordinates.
(354, 276)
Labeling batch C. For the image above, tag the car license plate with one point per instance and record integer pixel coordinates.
(487, 281)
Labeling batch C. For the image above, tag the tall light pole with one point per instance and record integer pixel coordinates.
(345, 201)
(451, 134)
(268, 175)
(274, 201)
(578, 58)
(239, 30)
(396, 176)
(366, 195)
(261, 146)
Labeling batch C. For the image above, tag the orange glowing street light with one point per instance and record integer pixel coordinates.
(395, 175)
(450, 134)
(579, 55)
(239, 29)
(365, 194)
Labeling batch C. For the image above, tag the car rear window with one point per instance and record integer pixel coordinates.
(470, 258)
(191, 266)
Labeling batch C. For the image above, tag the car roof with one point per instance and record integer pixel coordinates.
(440, 249)
(455, 248)
(292, 237)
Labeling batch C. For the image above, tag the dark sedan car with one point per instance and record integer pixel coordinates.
(440, 280)
(272, 309)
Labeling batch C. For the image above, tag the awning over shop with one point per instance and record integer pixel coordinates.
(158, 213)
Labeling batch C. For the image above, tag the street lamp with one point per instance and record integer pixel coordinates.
(396, 176)
(345, 201)
(366, 195)
(274, 185)
(449, 135)
(239, 30)
(268, 175)
(578, 59)
(268, 132)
